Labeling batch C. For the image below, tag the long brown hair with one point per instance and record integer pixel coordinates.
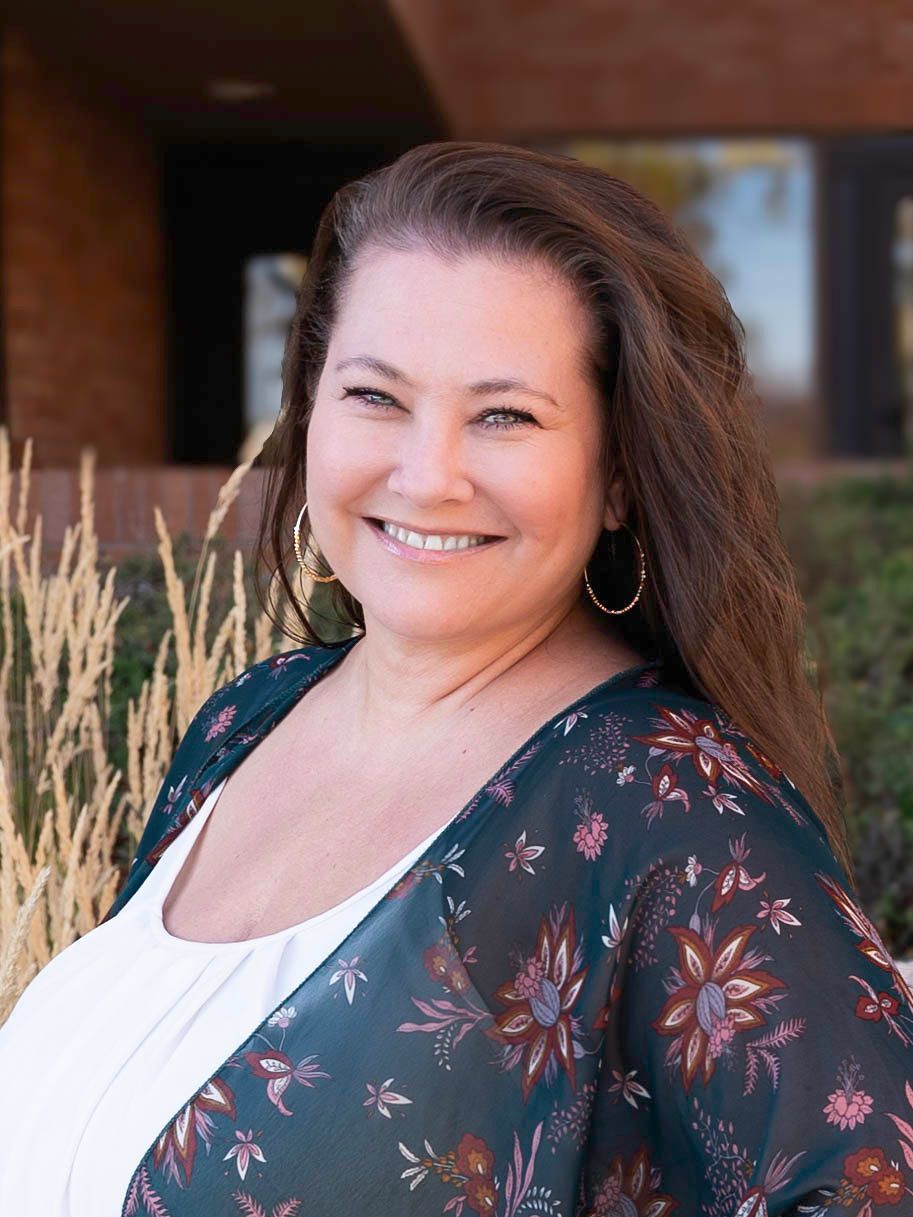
(682, 425)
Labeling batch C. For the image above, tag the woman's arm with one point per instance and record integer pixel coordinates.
(759, 1047)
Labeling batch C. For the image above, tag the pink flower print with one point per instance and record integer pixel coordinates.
(722, 1033)
(625, 774)
(522, 854)
(282, 1017)
(349, 975)
(848, 1108)
(591, 835)
(528, 981)
(380, 1096)
(220, 723)
(849, 1105)
(777, 914)
(692, 870)
(244, 1151)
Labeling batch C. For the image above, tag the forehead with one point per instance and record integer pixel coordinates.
(470, 315)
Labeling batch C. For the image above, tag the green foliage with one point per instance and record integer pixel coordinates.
(852, 542)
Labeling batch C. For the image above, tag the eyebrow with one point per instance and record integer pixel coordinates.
(479, 388)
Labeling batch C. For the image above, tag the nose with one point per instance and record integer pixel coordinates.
(429, 464)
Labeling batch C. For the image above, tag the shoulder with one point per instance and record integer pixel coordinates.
(229, 712)
(252, 689)
(673, 776)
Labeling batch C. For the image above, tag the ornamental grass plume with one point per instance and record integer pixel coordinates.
(66, 813)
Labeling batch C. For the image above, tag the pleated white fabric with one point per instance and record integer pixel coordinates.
(137, 1020)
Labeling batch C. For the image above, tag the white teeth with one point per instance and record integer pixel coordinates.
(421, 541)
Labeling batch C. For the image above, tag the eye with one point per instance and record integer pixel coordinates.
(366, 395)
(522, 415)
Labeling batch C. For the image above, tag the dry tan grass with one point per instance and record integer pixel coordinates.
(62, 804)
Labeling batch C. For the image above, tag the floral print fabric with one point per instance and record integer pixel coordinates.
(628, 979)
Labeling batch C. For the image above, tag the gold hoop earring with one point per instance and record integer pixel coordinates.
(640, 586)
(301, 562)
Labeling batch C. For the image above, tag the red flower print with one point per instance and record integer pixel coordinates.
(537, 1025)
(884, 1184)
(470, 1167)
(874, 1008)
(715, 1000)
(870, 944)
(631, 1190)
(712, 754)
(473, 1157)
(481, 1194)
(734, 877)
(280, 1070)
(197, 798)
(443, 963)
(665, 790)
(175, 1150)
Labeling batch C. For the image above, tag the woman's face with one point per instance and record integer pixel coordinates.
(452, 402)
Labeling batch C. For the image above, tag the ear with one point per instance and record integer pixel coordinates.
(616, 507)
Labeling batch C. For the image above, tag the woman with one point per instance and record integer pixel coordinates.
(517, 910)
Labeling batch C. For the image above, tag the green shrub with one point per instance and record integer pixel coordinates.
(852, 541)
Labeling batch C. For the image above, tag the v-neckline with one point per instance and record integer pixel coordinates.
(471, 811)
(436, 852)
(291, 694)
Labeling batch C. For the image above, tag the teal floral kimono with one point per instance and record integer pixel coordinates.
(628, 979)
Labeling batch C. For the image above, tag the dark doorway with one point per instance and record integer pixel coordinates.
(226, 204)
(866, 293)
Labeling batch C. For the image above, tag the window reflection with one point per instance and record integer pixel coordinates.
(746, 205)
(270, 284)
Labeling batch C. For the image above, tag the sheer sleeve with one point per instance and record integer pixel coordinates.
(758, 1056)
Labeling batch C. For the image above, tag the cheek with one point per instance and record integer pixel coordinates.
(337, 465)
(551, 501)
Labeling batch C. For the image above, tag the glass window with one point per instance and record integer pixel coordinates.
(270, 284)
(747, 206)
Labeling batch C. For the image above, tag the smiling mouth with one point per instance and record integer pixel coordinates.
(425, 532)
(445, 547)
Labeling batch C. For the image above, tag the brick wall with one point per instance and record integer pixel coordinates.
(82, 268)
(517, 71)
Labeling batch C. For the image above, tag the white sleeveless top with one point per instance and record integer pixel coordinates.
(122, 1027)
